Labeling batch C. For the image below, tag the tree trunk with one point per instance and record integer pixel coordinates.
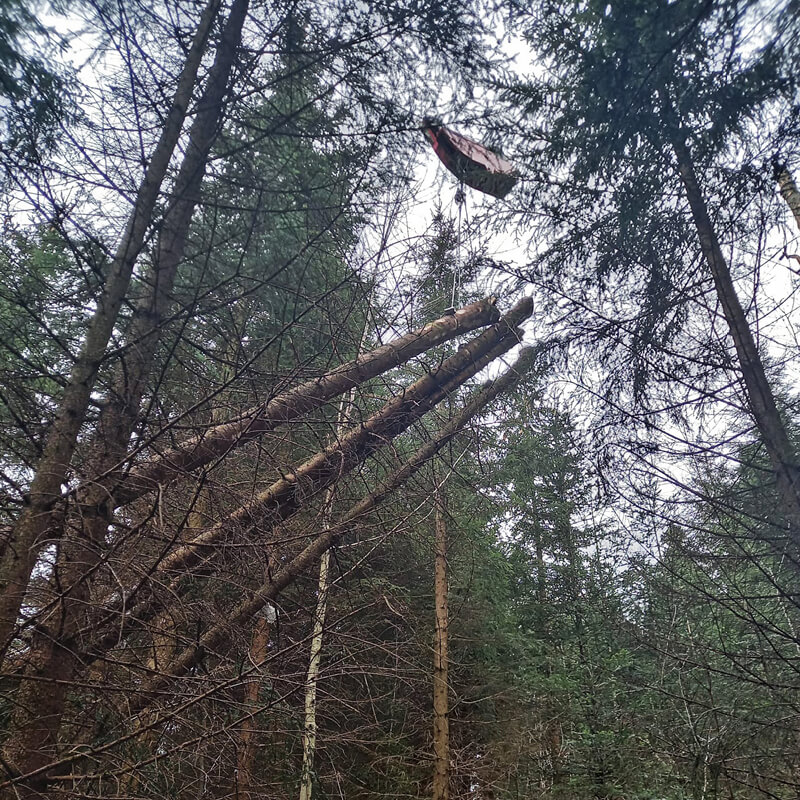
(308, 396)
(40, 516)
(759, 392)
(541, 580)
(37, 715)
(271, 589)
(310, 721)
(120, 412)
(283, 498)
(441, 711)
(789, 190)
(320, 612)
(248, 742)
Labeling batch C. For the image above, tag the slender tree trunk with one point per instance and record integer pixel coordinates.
(759, 392)
(310, 721)
(441, 709)
(271, 589)
(37, 715)
(789, 190)
(120, 411)
(320, 612)
(41, 514)
(541, 581)
(248, 741)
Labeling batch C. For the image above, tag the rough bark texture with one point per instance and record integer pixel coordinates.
(40, 517)
(271, 589)
(759, 392)
(789, 191)
(37, 716)
(284, 497)
(308, 396)
(268, 592)
(248, 741)
(441, 710)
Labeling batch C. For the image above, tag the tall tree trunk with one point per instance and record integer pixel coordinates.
(789, 190)
(318, 628)
(41, 513)
(441, 709)
(271, 589)
(761, 400)
(248, 737)
(121, 410)
(37, 715)
(541, 580)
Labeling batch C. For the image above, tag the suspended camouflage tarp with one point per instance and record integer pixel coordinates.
(472, 163)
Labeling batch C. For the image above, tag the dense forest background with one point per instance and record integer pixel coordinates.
(322, 476)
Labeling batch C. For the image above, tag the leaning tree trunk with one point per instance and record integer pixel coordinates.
(51, 664)
(217, 635)
(761, 400)
(41, 515)
(269, 592)
(308, 396)
(125, 611)
(280, 501)
(441, 710)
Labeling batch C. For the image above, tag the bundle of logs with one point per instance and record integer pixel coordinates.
(78, 625)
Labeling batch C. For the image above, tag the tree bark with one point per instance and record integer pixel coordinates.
(248, 742)
(284, 497)
(761, 400)
(308, 396)
(37, 715)
(41, 513)
(441, 709)
(789, 191)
